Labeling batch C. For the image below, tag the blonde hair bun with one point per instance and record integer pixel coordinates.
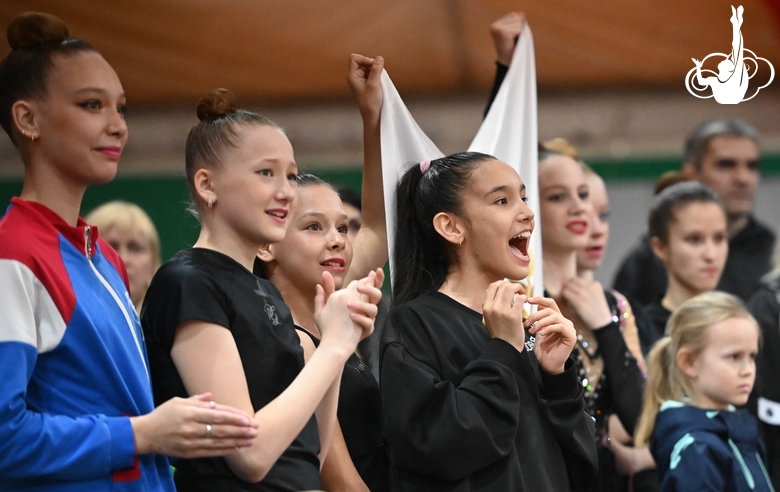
(32, 29)
(216, 104)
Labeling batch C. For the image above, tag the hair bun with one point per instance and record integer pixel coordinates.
(216, 104)
(32, 29)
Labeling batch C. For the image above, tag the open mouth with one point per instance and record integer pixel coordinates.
(278, 214)
(519, 245)
(336, 264)
(595, 251)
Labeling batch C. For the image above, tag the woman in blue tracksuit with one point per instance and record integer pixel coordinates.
(76, 407)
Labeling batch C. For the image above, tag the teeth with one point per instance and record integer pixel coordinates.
(523, 235)
(332, 263)
(278, 214)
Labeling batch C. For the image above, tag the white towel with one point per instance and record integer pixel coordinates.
(509, 132)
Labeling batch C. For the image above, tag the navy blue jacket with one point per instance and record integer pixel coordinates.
(707, 450)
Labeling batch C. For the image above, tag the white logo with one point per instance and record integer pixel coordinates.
(735, 70)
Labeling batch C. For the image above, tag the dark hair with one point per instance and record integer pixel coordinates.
(34, 38)
(308, 179)
(668, 179)
(219, 118)
(421, 255)
(699, 139)
(349, 196)
(668, 202)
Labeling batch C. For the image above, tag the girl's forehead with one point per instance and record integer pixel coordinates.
(493, 173)
(319, 198)
(562, 170)
(733, 332)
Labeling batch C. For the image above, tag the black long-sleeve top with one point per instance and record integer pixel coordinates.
(467, 412)
(765, 307)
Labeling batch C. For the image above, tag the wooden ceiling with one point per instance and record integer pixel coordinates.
(169, 52)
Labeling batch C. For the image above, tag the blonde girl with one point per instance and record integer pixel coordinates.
(699, 372)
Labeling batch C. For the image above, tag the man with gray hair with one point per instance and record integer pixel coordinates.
(724, 155)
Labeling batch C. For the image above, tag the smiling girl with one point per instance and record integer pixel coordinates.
(76, 409)
(211, 323)
(607, 367)
(476, 398)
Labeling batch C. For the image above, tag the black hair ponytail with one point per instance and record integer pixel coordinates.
(421, 256)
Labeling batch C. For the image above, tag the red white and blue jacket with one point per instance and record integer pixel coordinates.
(73, 365)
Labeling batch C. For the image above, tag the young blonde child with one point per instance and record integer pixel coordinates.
(699, 372)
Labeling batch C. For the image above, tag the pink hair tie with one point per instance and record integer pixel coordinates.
(425, 165)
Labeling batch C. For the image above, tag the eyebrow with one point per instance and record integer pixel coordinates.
(97, 89)
(498, 188)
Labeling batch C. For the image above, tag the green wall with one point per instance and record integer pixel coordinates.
(165, 198)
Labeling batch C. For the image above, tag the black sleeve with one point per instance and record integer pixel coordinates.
(178, 293)
(573, 428)
(641, 275)
(501, 71)
(625, 380)
(764, 306)
(444, 430)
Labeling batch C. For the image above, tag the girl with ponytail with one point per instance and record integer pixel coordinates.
(699, 372)
(476, 398)
(76, 408)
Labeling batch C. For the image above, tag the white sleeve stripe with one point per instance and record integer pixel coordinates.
(29, 314)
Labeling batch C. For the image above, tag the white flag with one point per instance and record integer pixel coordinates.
(509, 132)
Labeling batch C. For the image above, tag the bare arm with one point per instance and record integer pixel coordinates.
(344, 320)
(338, 471)
(326, 410)
(370, 245)
(281, 420)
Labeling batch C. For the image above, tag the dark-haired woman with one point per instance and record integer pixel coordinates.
(211, 323)
(605, 358)
(76, 409)
(317, 241)
(472, 406)
(688, 231)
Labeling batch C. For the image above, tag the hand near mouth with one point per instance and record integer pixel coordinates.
(502, 312)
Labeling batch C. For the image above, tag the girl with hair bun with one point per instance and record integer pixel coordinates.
(475, 397)
(688, 231)
(317, 241)
(76, 408)
(699, 372)
(211, 323)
